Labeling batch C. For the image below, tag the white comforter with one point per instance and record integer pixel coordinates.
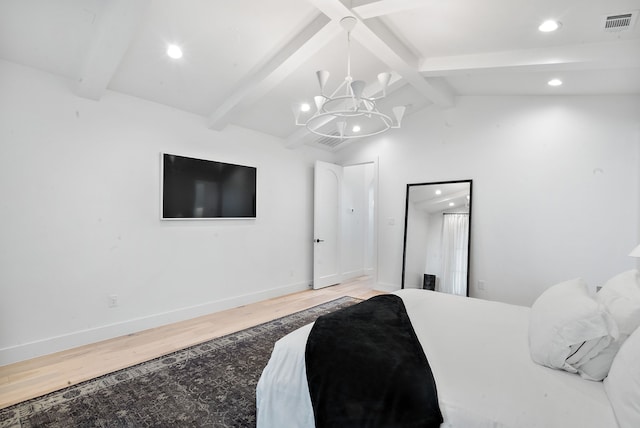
(479, 355)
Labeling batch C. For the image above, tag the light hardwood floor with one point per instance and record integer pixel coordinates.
(32, 378)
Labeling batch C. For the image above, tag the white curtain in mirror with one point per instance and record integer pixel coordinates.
(455, 241)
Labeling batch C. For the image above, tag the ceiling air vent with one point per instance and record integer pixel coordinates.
(328, 142)
(620, 22)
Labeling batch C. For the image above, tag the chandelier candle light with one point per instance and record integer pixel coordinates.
(355, 114)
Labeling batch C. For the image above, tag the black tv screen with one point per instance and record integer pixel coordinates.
(204, 189)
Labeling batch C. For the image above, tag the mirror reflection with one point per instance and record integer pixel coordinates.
(436, 236)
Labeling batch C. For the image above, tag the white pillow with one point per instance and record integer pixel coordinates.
(567, 327)
(623, 383)
(621, 297)
(598, 367)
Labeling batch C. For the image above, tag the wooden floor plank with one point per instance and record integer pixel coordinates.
(33, 378)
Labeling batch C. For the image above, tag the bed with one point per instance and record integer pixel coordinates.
(479, 353)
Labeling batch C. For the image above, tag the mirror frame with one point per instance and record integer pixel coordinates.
(406, 214)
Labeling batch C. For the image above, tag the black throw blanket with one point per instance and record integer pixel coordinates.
(366, 368)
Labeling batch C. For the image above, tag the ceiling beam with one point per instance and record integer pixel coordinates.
(114, 30)
(378, 8)
(308, 42)
(382, 43)
(619, 54)
(390, 50)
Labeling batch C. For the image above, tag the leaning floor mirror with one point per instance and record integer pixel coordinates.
(437, 228)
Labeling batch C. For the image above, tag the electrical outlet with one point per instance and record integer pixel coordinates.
(481, 284)
(113, 300)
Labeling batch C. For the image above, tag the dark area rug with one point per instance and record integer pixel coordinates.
(208, 385)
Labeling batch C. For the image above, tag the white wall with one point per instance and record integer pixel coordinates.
(556, 195)
(555, 187)
(80, 184)
(371, 186)
(638, 144)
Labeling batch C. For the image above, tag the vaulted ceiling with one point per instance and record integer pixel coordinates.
(246, 62)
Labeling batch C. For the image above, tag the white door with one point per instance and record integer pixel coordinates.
(326, 224)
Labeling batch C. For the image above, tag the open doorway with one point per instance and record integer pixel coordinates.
(344, 223)
(358, 255)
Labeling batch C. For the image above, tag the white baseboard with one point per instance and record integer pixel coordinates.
(346, 276)
(50, 345)
(389, 288)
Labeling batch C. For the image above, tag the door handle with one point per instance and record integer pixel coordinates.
(318, 240)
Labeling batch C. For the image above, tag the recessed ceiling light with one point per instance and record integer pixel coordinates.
(356, 128)
(174, 51)
(549, 26)
(305, 107)
(554, 82)
(438, 192)
(451, 204)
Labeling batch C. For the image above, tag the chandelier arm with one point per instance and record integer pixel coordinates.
(333, 94)
(349, 55)
(346, 113)
(340, 105)
(348, 105)
(321, 119)
(369, 105)
(347, 137)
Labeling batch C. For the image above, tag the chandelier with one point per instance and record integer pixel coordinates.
(355, 114)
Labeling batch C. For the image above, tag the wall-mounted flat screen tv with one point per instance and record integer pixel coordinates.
(205, 189)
